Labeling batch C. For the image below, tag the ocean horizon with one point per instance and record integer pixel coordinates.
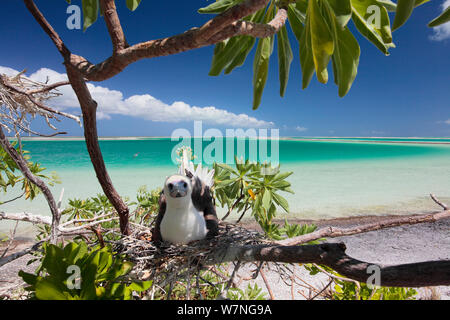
(332, 176)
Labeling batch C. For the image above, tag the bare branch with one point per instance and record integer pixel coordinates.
(333, 255)
(48, 87)
(443, 205)
(19, 254)
(31, 6)
(11, 240)
(29, 95)
(332, 232)
(23, 167)
(26, 217)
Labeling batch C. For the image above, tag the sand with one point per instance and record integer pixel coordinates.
(398, 245)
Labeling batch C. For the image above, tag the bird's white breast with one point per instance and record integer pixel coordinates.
(181, 226)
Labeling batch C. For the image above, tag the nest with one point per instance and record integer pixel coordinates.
(168, 264)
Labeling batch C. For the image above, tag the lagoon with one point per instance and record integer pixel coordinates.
(337, 177)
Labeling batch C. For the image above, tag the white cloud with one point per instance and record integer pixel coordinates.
(300, 129)
(112, 102)
(447, 121)
(442, 32)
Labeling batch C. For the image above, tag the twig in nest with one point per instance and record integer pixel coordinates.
(11, 240)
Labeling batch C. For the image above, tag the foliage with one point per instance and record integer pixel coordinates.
(348, 290)
(102, 274)
(252, 186)
(249, 293)
(10, 175)
(147, 204)
(321, 28)
(290, 230)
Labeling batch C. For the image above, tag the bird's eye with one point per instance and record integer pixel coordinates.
(170, 186)
(185, 185)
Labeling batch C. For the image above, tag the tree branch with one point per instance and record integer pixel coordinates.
(29, 95)
(112, 21)
(48, 29)
(332, 232)
(23, 167)
(26, 217)
(208, 34)
(430, 273)
(19, 254)
(256, 30)
(89, 108)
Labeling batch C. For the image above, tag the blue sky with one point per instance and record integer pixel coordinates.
(404, 94)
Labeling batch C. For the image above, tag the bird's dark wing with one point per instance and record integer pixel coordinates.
(203, 201)
(156, 232)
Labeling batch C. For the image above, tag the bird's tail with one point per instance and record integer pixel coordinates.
(187, 167)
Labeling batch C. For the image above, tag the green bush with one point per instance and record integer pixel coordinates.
(102, 274)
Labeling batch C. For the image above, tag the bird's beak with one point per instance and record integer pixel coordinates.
(177, 193)
(178, 190)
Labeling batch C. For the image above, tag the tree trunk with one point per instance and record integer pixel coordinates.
(89, 109)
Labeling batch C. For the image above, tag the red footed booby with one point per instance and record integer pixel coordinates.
(186, 207)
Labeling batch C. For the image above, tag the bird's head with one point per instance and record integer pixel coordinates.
(178, 190)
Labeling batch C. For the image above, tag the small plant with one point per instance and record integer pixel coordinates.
(347, 290)
(249, 293)
(251, 186)
(77, 272)
(147, 204)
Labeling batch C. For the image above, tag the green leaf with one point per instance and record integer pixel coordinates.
(346, 54)
(365, 21)
(140, 286)
(261, 63)
(281, 201)
(266, 199)
(306, 56)
(219, 6)
(284, 58)
(403, 12)
(90, 12)
(420, 2)
(29, 278)
(321, 41)
(342, 10)
(225, 54)
(296, 20)
(47, 290)
(443, 18)
(388, 4)
(247, 44)
(282, 175)
(133, 4)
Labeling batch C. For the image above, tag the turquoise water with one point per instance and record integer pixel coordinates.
(148, 153)
(331, 178)
(376, 139)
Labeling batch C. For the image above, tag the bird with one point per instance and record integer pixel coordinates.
(186, 207)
